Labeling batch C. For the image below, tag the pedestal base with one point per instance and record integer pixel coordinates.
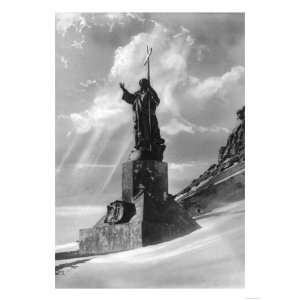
(157, 217)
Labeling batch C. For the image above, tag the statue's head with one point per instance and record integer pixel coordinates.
(144, 83)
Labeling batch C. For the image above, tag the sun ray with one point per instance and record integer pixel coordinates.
(85, 155)
(126, 141)
(67, 153)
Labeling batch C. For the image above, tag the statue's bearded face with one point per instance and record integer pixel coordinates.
(143, 83)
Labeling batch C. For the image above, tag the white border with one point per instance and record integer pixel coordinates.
(27, 150)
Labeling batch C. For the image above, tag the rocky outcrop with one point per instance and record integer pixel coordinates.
(235, 146)
(202, 190)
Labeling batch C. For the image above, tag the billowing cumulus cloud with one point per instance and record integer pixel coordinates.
(204, 90)
(168, 62)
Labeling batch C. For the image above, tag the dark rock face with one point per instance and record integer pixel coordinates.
(231, 154)
(235, 146)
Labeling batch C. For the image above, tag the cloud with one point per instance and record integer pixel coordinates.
(174, 127)
(211, 86)
(66, 20)
(107, 111)
(113, 19)
(81, 123)
(88, 83)
(64, 62)
(213, 129)
(78, 44)
(168, 61)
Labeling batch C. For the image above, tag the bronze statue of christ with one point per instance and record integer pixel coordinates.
(148, 143)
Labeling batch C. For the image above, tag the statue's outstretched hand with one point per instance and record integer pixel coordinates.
(122, 86)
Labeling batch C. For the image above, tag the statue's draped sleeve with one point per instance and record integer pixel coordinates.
(128, 97)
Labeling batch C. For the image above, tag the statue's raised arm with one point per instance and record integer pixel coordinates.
(127, 96)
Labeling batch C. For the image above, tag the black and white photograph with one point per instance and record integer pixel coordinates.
(150, 150)
(127, 168)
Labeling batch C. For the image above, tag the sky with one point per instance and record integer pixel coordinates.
(197, 69)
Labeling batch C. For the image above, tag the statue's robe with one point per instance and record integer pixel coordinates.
(147, 133)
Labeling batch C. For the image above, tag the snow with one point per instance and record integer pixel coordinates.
(230, 176)
(210, 257)
(203, 182)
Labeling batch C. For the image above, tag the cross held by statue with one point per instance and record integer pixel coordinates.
(147, 61)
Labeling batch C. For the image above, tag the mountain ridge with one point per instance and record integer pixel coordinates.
(223, 181)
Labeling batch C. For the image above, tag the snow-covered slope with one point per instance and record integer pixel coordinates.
(210, 257)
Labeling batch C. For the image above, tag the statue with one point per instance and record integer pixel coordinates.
(148, 143)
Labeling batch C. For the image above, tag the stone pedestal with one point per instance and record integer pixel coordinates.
(155, 217)
(150, 175)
